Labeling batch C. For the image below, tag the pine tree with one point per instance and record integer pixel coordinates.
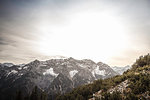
(19, 95)
(34, 94)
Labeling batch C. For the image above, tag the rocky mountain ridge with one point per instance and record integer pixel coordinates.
(120, 70)
(134, 84)
(52, 76)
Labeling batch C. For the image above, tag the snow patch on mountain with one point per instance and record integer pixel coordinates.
(93, 73)
(98, 72)
(83, 66)
(20, 68)
(51, 72)
(73, 72)
(8, 64)
(58, 57)
(21, 74)
(25, 67)
(12, 71)
(21, 65)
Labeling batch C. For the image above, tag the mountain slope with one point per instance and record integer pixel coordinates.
(134, 84)
(52, 76)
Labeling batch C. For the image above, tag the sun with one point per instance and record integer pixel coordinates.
(85, 35)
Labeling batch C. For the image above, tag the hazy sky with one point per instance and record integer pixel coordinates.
(115, 32)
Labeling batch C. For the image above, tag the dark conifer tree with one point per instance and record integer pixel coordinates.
(19, 95)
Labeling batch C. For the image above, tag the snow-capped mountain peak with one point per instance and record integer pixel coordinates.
(120, 70)
(54, 75)
(8, 64)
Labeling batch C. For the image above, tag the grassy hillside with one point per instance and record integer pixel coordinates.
(134, 84)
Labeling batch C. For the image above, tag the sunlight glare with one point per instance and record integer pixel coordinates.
(87, 35)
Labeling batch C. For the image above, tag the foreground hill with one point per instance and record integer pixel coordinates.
(49, 77)
(134, 84)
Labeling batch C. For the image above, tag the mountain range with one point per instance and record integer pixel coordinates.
(133, 84)
(121, 70)
(51, 76)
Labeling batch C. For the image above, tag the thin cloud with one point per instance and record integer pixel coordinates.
(37, 29)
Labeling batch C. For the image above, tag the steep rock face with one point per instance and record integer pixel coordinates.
(104, 71)
(60, 83)
(53, 76)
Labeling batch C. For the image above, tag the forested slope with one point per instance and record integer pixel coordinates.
(134, 84)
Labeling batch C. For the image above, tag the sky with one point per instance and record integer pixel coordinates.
(115, 32)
